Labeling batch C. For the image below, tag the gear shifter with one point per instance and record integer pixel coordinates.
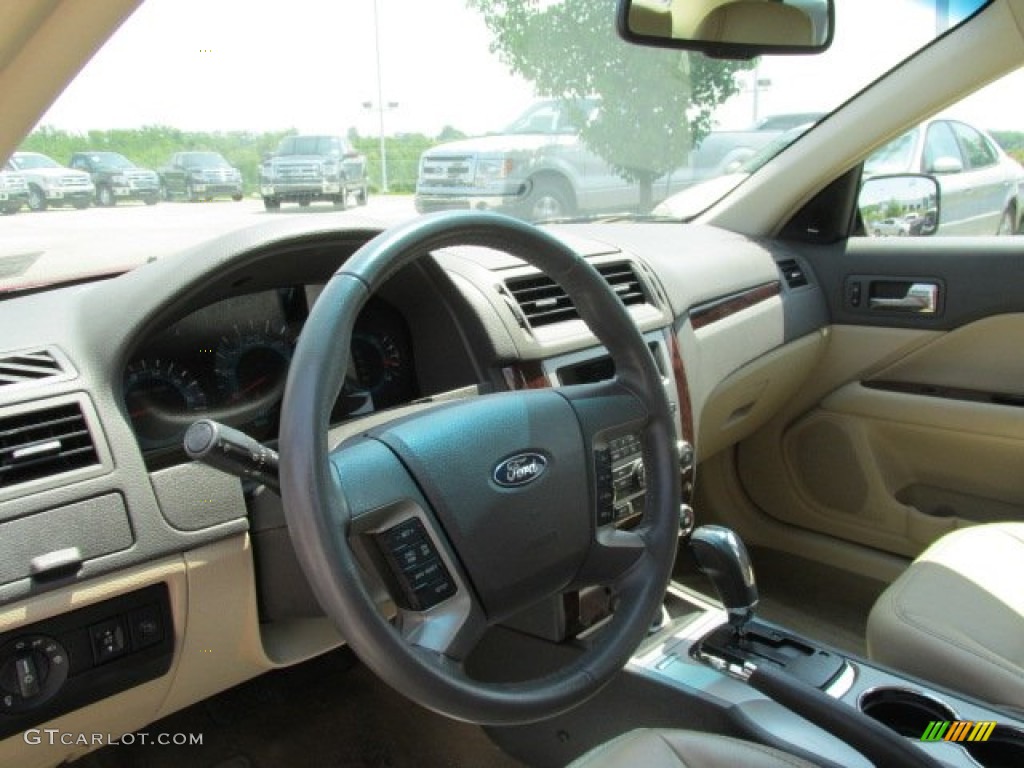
(721, 556)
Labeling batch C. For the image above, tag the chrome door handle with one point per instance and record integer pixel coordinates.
(922, 298)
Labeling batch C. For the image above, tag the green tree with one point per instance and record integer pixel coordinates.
(656, 104)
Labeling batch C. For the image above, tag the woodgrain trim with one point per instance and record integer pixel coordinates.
(730, 305)
(682, 388)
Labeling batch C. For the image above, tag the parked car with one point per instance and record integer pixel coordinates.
(889, 227)
(13, 190)
(200, 176)
(50, 183)
(982, 187)
(117, 178)
(721, 153)
(313, 167)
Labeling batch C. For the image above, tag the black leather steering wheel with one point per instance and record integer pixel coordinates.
(489, 504)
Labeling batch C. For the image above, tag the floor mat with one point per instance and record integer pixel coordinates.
(812, 599)
(330, 712)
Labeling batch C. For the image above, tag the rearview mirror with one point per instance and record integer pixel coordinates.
(902, 206)
(736, 29)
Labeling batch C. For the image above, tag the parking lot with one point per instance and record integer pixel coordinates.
(63, 242)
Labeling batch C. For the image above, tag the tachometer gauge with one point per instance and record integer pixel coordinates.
(162, 399)
(251, 367)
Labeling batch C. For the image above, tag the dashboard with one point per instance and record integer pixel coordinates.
(229, 361)
(135, 535)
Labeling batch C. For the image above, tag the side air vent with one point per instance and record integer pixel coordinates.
(544, 302)
(792, 273)
(45, 442)
(28, 366)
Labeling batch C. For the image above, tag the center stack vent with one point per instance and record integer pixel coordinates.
(543, 302)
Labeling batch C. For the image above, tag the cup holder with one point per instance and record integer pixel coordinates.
(910, 712)
(1003, 749)
(905, 711)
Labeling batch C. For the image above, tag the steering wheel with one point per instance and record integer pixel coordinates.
(471, 511)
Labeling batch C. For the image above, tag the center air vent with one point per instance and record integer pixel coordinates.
(28, 366)
(44, 442)
(544, 302)
(792, 273)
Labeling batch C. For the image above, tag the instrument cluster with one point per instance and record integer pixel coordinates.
(229, 362)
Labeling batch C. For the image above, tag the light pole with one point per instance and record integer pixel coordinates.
(381, 106)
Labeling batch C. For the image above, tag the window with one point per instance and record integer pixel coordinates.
(938, 144)
(976, 148)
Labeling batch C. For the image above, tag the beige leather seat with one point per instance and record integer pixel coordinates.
(651, 748)
(756, 21)
(956, 616)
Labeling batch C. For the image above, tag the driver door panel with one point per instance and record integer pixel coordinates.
(915, 425)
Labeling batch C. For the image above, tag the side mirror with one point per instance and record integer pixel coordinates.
(739, 29)
(903, 205)
(947, 164)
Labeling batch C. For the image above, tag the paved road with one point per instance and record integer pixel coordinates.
(64, 241)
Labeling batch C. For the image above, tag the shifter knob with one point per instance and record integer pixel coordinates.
(721, 556)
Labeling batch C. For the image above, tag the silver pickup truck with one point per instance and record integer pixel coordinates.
(538, 167)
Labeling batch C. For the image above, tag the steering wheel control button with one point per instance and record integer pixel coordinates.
(605, 486)
(415, 564)
(109, 640)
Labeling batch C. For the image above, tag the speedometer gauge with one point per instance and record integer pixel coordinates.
(251, 367)
(162, 399)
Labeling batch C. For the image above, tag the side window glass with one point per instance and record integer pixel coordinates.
(974, 156)
(976, 149)
(940, 148)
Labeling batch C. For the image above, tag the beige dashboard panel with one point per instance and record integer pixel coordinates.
(719, 349)
(123, 713)
(749, 397)
(219, 643)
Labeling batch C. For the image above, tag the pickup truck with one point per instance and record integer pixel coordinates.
(200, 176)
(308, 168)
(50, 183)
(538, 167)
(13, 190)
(117, 178)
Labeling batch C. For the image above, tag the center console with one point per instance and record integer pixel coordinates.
(712, 651)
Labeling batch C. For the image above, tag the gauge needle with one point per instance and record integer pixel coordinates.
(249, 388)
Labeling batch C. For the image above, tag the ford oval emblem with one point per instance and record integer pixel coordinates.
(521, 469)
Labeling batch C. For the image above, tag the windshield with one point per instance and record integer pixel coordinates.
(110, 160)
(553, 115)
(203, 160)
(310, 145)
(26, 161)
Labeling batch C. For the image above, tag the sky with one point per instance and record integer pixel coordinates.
(222, 65)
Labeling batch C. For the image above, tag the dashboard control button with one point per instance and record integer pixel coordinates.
(109, 640)
(145, 626)
(32, 670)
